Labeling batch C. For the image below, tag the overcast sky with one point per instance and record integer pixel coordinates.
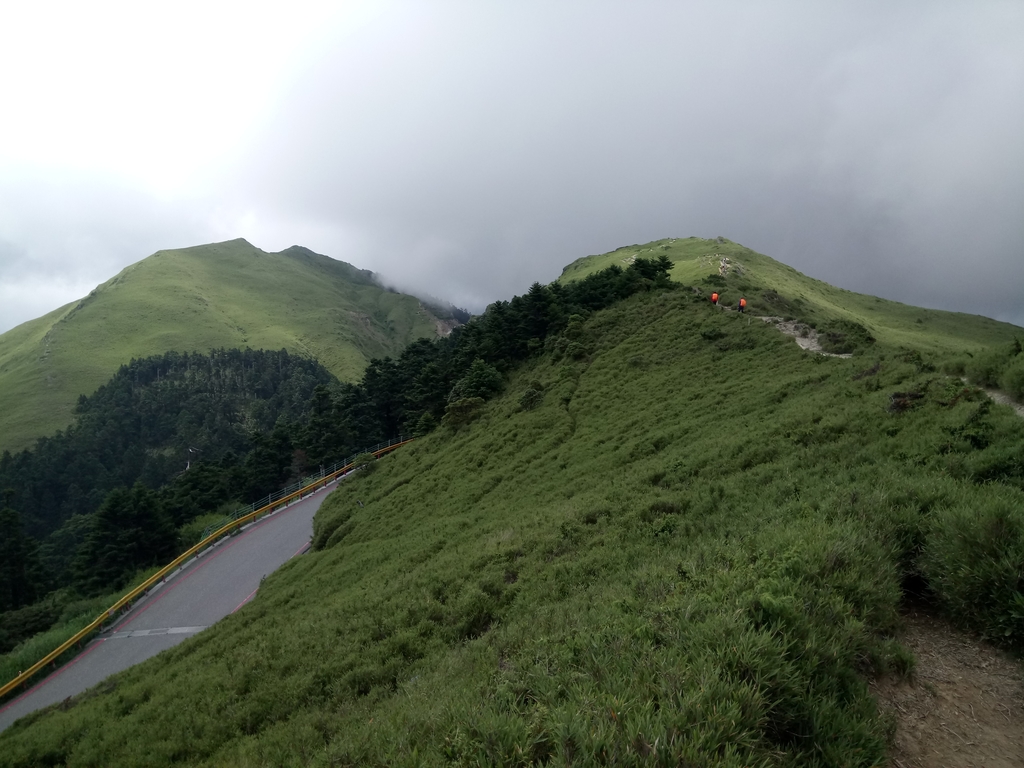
(469, 149)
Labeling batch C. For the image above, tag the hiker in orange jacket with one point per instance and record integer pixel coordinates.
(743, 304)
(714, 299)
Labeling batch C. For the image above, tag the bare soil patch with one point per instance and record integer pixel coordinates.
(964, 707)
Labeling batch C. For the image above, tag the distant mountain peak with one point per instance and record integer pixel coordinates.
(229, 294)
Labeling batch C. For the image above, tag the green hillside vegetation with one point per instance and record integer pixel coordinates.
(225, 295)
(674, 539)
(772, 288)
(247, 422)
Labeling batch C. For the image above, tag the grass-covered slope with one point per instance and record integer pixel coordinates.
(684, 546)
(227, 295)
(757, 276)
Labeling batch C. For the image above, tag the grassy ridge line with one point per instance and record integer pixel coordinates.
(124, 604)
(229, 295)
(889, 321)
(690, 550)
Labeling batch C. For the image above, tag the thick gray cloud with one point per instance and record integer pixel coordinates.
(467, 150)
(63, 233)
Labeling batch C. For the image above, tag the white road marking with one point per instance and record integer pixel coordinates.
(162, 631)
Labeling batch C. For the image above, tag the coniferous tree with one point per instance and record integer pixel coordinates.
(324, 435)
(268, 465)
(129, 531)
(481, 380)
(18, 569)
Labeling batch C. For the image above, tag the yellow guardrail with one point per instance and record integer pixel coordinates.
(159, 576)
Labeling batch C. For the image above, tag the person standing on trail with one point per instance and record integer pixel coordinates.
(743, 304)
(714, 299)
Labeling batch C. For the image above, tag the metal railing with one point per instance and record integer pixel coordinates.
(312, 480)
(231, 524)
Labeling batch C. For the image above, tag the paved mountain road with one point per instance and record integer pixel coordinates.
(206, 590)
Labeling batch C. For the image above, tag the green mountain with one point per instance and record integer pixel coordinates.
(772, 288)
(226, 295)
(676, 538)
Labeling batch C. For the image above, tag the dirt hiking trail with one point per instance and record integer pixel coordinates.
(806, 337)
(1002, 399)
(964, 707)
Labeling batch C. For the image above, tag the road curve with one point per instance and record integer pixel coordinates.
(204, 591)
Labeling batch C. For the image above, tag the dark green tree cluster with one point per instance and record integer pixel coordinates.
(19, 563)
(153, 419)
(129, 531)
(166, 439)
